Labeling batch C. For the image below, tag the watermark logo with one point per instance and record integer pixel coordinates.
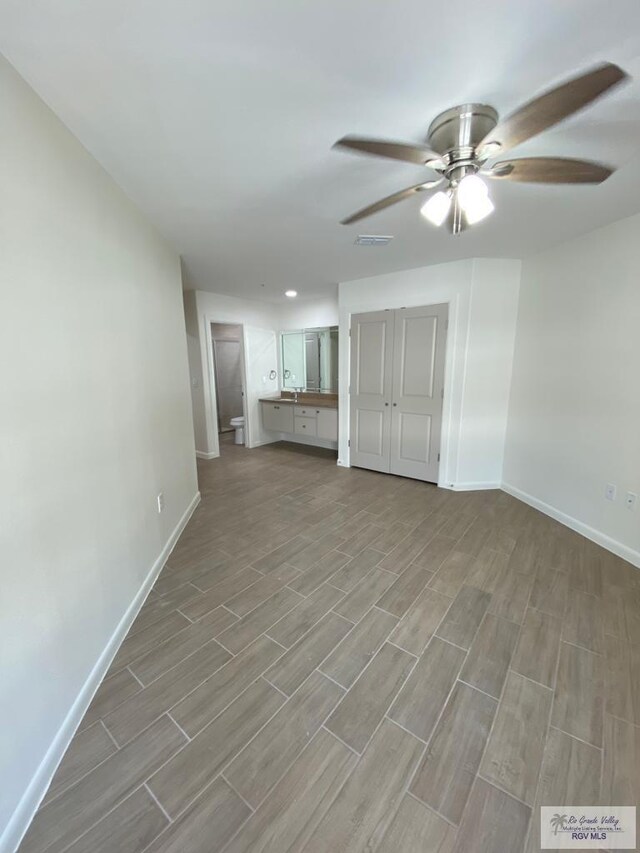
(587, 827)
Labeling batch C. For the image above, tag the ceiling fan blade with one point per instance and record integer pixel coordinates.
(389, 200)
(550, 108)
(417, 154)
(550, 170)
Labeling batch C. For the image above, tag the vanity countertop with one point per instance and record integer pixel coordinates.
(309, 400)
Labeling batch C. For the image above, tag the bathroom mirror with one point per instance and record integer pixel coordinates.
(310, 359)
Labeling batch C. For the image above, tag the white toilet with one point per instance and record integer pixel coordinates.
(238, 425)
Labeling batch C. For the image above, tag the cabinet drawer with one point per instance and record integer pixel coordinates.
(327, 424)
(304, 426)
(277, 417)
(305, 411)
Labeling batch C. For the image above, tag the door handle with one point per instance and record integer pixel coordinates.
(395, 404)
(386, 404)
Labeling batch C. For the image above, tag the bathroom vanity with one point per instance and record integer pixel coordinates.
(311, 416)
(306, 410)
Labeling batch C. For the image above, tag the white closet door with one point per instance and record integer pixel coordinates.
(370, 389)
(418, 383)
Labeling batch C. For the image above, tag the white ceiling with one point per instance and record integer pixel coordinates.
(217, 117)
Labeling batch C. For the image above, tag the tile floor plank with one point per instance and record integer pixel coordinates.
(420, 701)
(348, 660)
(130, 827)
(446, 773)
(536, 655)
(276, 559)
(451, 574)
(183, 644)
(366, 805)
(132, 716)
(579, 697)
(143, 641)
(260, 764)
(464, 616)
(320, 573)
(493, 822)
(113, 691)
(405, 552)
(416, 828)
(582, 625)
(513, 756)
(88, 748)
(292, 811)
(363, 596)
(421, 621)
(400, 596)
(206, 825)
(490, 655)
(252, 596)
(213, 695)
(620, 763)
(78, 808)
(288, 673)
(239, 635)
(570, 774)
(350, 575)
(196, 765)
(221, 592)
(294, 625)
(357, 716)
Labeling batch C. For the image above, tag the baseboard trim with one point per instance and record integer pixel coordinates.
(591, 533)
(37, 788)
(470, 487)
(200, 454)
(261, 443)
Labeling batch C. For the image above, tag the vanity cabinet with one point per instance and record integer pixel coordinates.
(327, 424)
(304, 425)
(300, 420)
(277, 417)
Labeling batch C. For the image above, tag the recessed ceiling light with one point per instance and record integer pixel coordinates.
(291, 293)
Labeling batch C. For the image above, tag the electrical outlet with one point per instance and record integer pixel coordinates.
(160, 501)
(630, 500)
(610, 492)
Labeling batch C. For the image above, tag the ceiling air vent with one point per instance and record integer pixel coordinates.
(372, 240)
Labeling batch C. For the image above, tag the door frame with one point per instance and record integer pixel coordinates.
(457, 332)
(210, 392)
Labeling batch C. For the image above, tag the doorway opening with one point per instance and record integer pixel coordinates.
(227, 347)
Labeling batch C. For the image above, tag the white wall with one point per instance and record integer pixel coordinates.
(308, 313)
(574, 419)
(482, 296)
(95, 422)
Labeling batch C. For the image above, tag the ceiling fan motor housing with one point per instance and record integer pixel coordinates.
(456, 133)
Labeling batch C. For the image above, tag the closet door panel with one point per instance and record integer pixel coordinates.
(418, 383)
(370, 389)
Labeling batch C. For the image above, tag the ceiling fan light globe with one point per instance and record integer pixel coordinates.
(479, 210)
(436, 208)
(471, 189)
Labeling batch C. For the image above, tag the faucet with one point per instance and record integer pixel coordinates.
(295, 394)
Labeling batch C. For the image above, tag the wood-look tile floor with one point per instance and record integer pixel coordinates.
(339, 660)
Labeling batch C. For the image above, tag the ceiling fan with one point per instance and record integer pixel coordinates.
(461, 140)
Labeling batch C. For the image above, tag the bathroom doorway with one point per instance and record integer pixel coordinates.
(227, 345)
